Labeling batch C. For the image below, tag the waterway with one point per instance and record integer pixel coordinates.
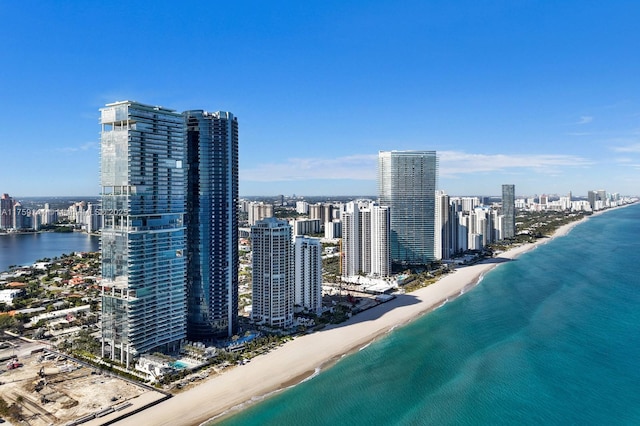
(25, 249)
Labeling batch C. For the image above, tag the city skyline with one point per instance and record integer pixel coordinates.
(540, 95)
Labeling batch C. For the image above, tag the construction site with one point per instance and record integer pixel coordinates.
(49, 388)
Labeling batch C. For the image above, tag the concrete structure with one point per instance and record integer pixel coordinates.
(143, 238)
(407, 185)
(273, 275)
(308, 274)
(212, 225)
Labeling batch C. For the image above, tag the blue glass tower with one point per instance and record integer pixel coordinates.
(212, 224)
(509, 210)
(143, 239)
(407, 185)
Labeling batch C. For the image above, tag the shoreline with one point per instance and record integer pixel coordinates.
(304, 357)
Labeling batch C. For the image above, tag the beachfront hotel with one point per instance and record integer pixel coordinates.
(143, 238)
(407, 185)
(212, 225)
(273, 275)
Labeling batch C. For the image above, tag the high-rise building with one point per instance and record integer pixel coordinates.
(443, 246)
(212, 225)
(509, 211)
(308, 274)
(6, 212)
(350, 251)
(143, 237)
(23, 217)
(305, 226)
(273, 275)
(302, 207)
(407, 185)
(365, 239)
(258, 211)
(380, 240)
(333, 229)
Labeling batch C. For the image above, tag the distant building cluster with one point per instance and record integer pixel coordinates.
(596, 200)
(16, 217)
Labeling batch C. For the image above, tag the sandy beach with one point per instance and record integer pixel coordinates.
(300, 358)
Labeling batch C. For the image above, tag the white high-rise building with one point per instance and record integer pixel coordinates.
(350, 255)
(366, 237)
(464, 223)
(273, 275)
(333, 229)
(308, 274)
(443, 249)
(302, 207)
(380, 240)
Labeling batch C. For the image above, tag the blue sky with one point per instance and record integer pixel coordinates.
(541, 94)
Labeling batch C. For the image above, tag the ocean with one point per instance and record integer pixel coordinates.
(25, 249)
(551, 338)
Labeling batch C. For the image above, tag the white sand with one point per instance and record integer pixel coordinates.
(298, 359)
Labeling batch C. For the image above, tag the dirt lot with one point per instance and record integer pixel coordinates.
(54, 390)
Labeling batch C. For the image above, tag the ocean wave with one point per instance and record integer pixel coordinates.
(365, 346)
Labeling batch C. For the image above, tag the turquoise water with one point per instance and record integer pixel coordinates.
(551, 338)
(179, 365)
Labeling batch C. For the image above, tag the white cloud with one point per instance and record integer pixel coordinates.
(358, 167)
(84, 147)
(634, 147)
(585, 119)
(455, 163)
(452, 164)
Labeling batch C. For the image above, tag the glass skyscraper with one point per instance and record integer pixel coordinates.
(143, 240)
(407, 185)
(509, 210)
(212, 225)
